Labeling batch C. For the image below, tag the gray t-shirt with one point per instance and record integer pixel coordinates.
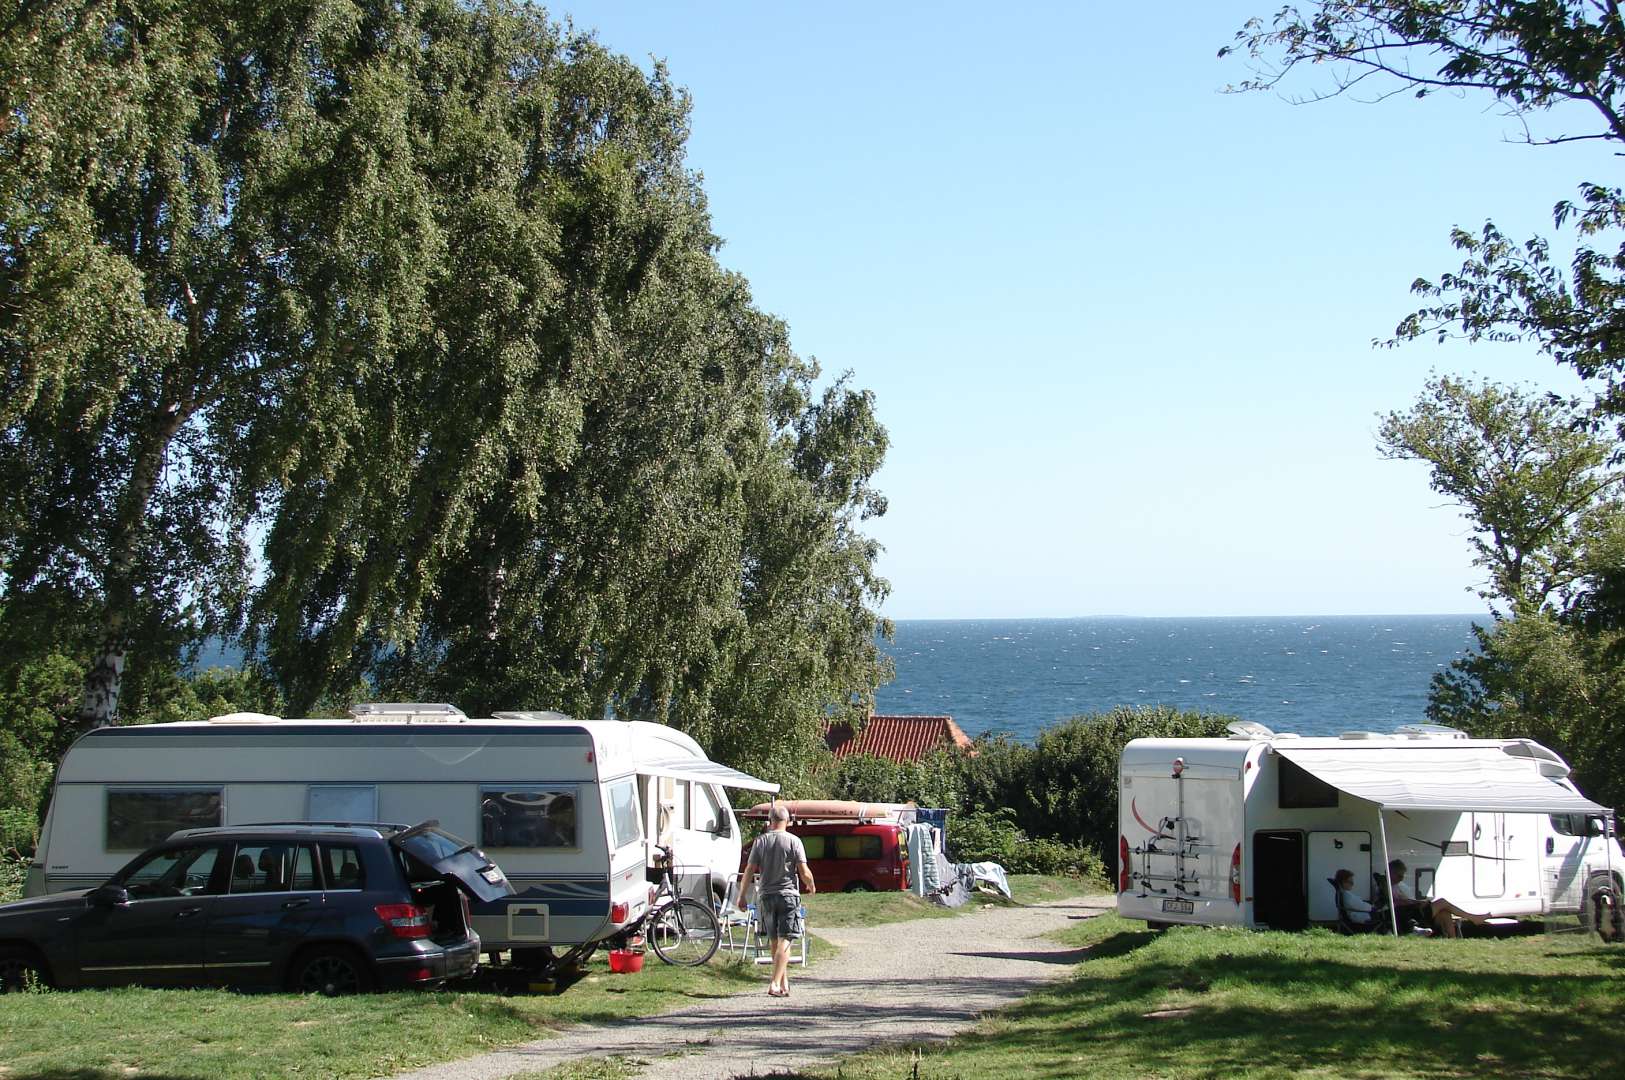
(775, 856)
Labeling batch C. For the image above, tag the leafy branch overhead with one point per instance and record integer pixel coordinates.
(1547, 64)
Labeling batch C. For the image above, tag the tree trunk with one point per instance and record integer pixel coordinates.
(98, 706)
(104, 681)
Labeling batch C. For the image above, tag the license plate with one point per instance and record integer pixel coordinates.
(1182, 907)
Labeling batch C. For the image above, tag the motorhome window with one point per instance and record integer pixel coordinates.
(1302, 790)
(708, 816)
(814, 846)
(674, 796)
(1565, 824)
(139, 818)
(275, 867)
(341, 802)
(182, 871)
(623, 813)
(527, 817)
(342, 867)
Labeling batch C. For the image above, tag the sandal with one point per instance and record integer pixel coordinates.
(778, 993)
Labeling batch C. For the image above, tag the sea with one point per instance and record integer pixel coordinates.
(1314, 676)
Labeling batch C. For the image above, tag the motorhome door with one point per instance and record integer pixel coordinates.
(1488, 848)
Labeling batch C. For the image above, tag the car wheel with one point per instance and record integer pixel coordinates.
(21, 969)
(858, 886)
(331, 972)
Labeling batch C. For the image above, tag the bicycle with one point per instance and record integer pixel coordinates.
(683, 931)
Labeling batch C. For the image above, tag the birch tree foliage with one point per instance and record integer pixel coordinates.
(1534, 485)
(427, 291)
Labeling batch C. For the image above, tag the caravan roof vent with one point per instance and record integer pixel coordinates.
(1248, 729)
(244, 718)
(1355, 736)
(408, 711)
(1429, 731)
(531, 714)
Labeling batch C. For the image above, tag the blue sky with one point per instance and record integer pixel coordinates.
(1117, 322)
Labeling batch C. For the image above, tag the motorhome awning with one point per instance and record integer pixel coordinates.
(704, 772)
(1511, 779)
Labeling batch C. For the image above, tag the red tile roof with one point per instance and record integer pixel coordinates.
(900, 738)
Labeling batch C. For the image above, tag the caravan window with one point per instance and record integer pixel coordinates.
(342, 802)
(528, 817)
(138, 818)
(623, 813)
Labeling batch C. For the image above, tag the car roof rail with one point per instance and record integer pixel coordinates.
(378, 828)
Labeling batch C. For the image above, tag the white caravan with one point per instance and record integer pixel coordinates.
(554, 801)
(1246, 831)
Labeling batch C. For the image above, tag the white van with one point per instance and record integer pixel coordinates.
(1246, 831)
(554, 801)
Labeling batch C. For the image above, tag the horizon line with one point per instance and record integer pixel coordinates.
(1289, 615)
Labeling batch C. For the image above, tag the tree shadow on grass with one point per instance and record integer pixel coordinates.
(1402, 1020)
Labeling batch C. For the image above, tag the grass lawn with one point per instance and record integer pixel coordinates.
(1209, 1003)
(220, 1035)
(873, 909)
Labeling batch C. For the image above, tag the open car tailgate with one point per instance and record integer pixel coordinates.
(455, 859)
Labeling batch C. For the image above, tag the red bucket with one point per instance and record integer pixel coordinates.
(625, 961)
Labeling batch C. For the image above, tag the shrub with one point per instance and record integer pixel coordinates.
(994, 837)
(935, 780)
(13, 872)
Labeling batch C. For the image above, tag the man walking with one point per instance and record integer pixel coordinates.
(781, 860)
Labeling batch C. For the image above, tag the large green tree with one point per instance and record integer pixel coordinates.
(424, 295)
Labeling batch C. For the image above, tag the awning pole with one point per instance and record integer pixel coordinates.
(1393, 908)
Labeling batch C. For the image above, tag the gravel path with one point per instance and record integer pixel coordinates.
(916, 981)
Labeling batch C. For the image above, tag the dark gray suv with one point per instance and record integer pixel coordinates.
(325, 908)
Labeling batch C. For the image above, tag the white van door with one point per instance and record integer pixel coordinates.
(1562, 861)
(1488, 848)
(715, 828)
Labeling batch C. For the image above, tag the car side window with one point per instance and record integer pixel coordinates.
(182, 871)
(273, 867)
(342, 867)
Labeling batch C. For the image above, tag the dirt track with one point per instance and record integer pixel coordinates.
(914, 981)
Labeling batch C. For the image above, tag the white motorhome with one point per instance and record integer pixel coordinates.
(558, 803)
(1246, 831)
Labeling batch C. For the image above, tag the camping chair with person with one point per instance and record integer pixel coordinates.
(1348, 916)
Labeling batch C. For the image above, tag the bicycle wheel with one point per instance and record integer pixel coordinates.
(684, 933)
